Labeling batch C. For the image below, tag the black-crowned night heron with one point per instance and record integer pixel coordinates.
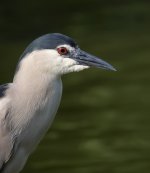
(28, 105)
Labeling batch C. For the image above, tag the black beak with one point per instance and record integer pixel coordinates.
(85, 58)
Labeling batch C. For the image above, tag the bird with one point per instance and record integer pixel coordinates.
(29, 103)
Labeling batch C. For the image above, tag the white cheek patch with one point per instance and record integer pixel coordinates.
(74, 68)
(80, 67)
(69, 62)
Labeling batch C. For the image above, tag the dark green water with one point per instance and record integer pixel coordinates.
(103, 123)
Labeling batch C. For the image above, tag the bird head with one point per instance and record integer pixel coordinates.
(59, 54)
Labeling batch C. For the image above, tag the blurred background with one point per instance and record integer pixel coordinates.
(103, 123)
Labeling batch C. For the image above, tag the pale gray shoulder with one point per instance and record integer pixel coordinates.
(6, 138)
(6, 143)
(6, 148)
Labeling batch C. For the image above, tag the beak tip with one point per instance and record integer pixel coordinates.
(113, 69)
(108, 67)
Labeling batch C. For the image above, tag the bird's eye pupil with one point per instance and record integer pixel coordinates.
(62, 50)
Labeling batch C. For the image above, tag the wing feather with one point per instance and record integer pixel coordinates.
(6, 138)
(3, 89)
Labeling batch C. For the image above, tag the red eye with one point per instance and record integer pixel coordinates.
(62, 50)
